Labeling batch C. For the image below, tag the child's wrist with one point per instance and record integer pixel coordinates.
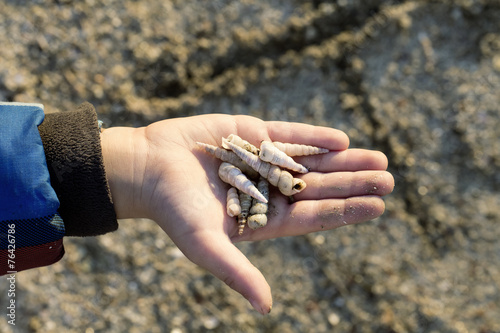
(123, 162)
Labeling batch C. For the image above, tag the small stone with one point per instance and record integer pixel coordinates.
(319, 239)
(333, 319)
(210, 322)
(496, 63)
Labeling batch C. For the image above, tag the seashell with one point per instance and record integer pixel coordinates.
(277, 177)
(257, 221)
(270, 153)
(259, 207)
(293, 149)
(233, 206)
(242, 160)
(233, 176)
(258, 211)
(233, 138)
(245, 203)
(230, 157)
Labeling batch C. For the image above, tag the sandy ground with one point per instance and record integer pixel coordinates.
(418, 80)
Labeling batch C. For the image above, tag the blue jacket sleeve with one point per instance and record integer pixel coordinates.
(31, 229)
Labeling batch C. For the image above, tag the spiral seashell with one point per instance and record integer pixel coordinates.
(230, 157)
(233, 206)
(257, 221)
(258, 211)
(270, 153)
(259, 207)
(233, 138)
(233, 176)
(294, 149)
(245, 203)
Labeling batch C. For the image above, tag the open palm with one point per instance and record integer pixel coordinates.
(182, 192)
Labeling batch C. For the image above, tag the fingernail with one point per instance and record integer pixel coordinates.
(255, 305)
(259, 308)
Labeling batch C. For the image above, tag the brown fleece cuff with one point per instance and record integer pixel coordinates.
(72, 147)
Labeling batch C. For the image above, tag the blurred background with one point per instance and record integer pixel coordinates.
(418, 80)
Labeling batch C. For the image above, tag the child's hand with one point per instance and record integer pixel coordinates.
(160, 173)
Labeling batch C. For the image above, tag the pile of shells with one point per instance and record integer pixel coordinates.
(250, 170)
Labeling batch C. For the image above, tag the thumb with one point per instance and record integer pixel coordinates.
(224, 260)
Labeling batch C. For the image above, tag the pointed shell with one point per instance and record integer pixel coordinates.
(289, 185)
(259, 207)
(258, 211)
(245, 202)
(270, 153)
(233, 206)
(230, 157)
(293, 149)
(233, 138)
(249, 158)
(233, 176)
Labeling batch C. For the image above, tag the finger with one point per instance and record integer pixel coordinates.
(219, 256)
(345, 184)
(346, 160)
(308, 216)
(319, 136)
